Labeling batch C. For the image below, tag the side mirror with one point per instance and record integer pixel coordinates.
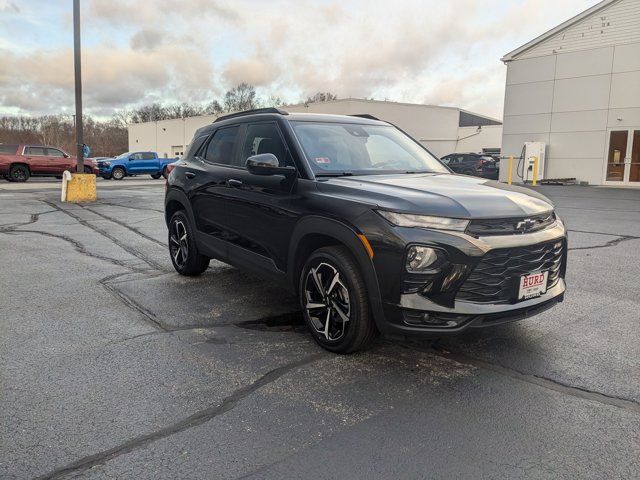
(267, 164)
(66, 155)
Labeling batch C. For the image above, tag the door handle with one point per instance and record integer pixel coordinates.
(189, 174)
(232, 182)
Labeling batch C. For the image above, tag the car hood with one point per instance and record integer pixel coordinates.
(445, 195)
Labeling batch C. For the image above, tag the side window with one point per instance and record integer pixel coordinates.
(136, 156)
(54, 152)
(40, 151)
(9, 149)
(265, 138)
(147, 156)
(445, 160)
(221, 146)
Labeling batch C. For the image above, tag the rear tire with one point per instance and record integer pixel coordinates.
(156, 176)
(182, 247)
(118, 173)
(19, 173)
(469, 172)
(88, 169)
(334, 301)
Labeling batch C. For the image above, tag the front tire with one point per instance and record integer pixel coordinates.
(182, 247)
(165, 174)
(156, 176)
(19, 173)
(334, 301)
(118, 173)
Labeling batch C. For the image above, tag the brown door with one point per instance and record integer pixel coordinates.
(617, 154)
(634, 165)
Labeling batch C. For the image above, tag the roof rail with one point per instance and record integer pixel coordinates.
(251, 112)
(365, 115)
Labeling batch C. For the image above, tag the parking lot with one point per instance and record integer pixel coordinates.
(114, 366)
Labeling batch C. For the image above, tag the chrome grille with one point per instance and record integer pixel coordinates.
(510, 226)
(496, 278)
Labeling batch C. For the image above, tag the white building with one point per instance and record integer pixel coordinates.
(577, 89)
(442, 130)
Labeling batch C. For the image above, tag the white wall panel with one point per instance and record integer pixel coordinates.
(539, 123)
(528, 98)
(626, 58)
(577, 145)
(582, 169)
(579, 121)
(584, 63)
(630, 117)
(625, 90)
(531, 70)
(584, 93)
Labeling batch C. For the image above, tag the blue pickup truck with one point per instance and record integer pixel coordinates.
(134, 163)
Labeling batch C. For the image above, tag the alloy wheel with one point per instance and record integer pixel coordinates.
(178, 243)
(327, 301)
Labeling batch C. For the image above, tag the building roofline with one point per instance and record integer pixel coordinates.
(388, 102)
(554, 31)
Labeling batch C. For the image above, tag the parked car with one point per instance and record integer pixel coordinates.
(370, 230)
(474, 164)
(20, 162)
(134, 163)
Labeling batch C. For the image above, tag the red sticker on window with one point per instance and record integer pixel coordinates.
(323, 160)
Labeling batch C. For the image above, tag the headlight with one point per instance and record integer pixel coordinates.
(420, 258)
(425, 221)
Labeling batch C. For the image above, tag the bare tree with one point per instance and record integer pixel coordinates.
(322, 97)
(241, 97)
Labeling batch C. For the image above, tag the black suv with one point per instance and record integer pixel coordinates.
(474, 164)
(367, 227)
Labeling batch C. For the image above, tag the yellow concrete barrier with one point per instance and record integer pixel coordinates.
(535, 171)
(80, 188)
(510, 169)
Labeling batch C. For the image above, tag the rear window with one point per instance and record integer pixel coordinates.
(148, 156)
(40, 151)
(10, 149)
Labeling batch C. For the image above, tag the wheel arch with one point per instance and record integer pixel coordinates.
(315, 232)
(20, 164)
(177, 200)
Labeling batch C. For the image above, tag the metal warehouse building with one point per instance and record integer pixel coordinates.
(576, 89)
(441, 129)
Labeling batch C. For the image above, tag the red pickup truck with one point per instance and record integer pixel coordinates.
(19, 162)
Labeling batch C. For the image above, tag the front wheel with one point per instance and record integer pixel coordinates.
(182, 246)
(19, 173)
(118, 173)
(334, 301)
(165, 173)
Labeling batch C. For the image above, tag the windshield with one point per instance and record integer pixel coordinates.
(123, 155)
(347, 148)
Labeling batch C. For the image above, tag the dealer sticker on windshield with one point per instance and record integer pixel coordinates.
(533, 285)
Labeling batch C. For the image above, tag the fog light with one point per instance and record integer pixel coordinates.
(420, 258)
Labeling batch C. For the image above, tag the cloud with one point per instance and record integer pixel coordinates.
(7, 6)
(137, 51)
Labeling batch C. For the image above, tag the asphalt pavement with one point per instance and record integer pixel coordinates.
(114, 366)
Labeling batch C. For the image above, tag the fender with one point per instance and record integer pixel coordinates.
(178, 195)
(348, 236)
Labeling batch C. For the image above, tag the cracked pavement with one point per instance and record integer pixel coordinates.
(114, 366)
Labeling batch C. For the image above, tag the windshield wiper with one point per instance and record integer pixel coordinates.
(334, 174)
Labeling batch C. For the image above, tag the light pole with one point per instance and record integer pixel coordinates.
(78, 80)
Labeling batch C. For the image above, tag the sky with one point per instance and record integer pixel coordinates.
(135, 52)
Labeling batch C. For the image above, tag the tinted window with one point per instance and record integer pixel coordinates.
(147, 156)
(35, 151)
(265, 138)
(221, 146)
(136, 156)
(54, 152)
(8, 149)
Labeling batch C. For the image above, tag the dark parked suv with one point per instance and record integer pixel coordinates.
(369, 229)
(474, 164)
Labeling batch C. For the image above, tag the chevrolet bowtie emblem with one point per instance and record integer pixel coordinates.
(526, 224)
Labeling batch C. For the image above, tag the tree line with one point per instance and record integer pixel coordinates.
(109, 137)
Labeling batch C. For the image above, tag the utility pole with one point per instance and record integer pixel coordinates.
(78, 79)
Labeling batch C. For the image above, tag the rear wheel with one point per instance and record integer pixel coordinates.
(19, 173)
(334, 301)
(156, 176)
(182, 246)
(88, 169)
(469, 172)
(118, 173)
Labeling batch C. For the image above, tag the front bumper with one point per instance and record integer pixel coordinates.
(415, 313)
